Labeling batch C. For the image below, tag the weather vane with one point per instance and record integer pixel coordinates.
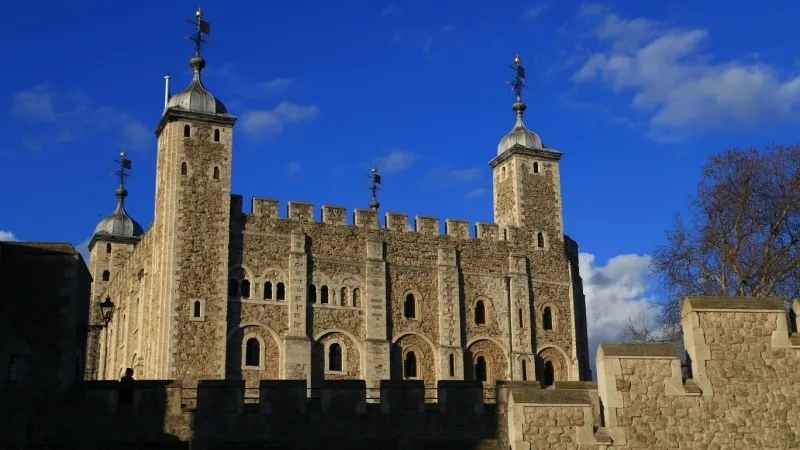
(519, 78)
(203, 28)
(376, 180)
(124, 165)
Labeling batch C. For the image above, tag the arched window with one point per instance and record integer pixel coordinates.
(184, 169)
(343, 296)
(410, 307)
(196, 312)
(267, 291)
(410, 365)
(233, 287)
(252, 353)
(216, 173)
(323, 293)
(480, 369)
(536, 167)
(187, 131)
(452, 365)
(106, 275)
(246, 288)
(540, 240)
(480, 313)
(521, 322)
(356, 297)
(548, 375)
(312, 294)
(524, 370)
(335, 358)
(547, 318)
(281, 292)
(216, 135)
(108, 248)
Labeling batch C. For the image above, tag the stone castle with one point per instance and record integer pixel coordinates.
(210, 291)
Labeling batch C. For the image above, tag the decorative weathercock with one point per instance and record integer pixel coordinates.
(124, 168)
(203, 28)
(518, 85)
(376, 180)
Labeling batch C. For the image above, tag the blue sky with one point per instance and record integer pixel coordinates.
(635, 94)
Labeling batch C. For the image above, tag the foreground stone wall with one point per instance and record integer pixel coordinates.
(740, 394)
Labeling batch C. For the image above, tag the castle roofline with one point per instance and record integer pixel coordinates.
(543, 153)
(176, 113)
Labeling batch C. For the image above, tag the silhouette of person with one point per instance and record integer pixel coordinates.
(126, 387)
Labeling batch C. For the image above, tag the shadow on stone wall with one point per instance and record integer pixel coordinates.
(91, 416)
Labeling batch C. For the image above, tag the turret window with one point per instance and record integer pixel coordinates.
(480, 313)
(410, 307)
(267, 291)
(106, 275)
(343, 296)
(452, 365)
(108, 248)
(216, 173)
(323, 294)
(281, 292)
(356, 297)
(312, 294)
(184, 169)
(216, 135)
(540, 240)
(196, 308)
(536, 167)
(547, 318)
(246, 288)
(187, 131)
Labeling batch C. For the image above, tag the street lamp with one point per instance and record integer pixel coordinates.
(106, 310)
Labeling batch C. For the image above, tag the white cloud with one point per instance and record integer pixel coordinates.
(268, 123)
(477, 193)
(292, 168)
(72, 116)
(83, 249)
(679, 89)
(251, 89)
(615, 293)
(396, 161)
(7, 236)
(446, 176)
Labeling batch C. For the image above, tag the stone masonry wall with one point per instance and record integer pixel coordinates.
(336, 255)
(740, 393)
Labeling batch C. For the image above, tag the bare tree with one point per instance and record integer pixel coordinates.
(743, 240)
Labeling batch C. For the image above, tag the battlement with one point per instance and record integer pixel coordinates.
(366, 218)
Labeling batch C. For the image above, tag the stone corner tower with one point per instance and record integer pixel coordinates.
(527, 202)
(110, 247)
(192, 225)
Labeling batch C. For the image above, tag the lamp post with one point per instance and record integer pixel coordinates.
(107, 311)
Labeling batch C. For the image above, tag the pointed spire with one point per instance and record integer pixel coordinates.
(517, 86)
(197, 63)
(119, 223)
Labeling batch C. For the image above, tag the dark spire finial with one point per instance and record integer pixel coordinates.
(517, 86)
(376, 180)
(203, 28)
(124, 171)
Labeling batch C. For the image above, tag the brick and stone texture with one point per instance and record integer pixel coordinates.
(296, 281)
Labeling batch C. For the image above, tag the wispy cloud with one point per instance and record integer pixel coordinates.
(534, 12)
(253, 89)
(389, 11)
(293, 168)
(83, 249)
(447, 177)
(396, 161)
(678, 88)
(477, 193)
(268, 123)
(7, 236)
(427, 46)
(72, 116)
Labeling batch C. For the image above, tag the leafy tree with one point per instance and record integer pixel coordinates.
(743, 239)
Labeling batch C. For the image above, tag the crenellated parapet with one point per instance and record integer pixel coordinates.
(366, 218)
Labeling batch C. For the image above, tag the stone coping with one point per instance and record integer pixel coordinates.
(734, 304)
(637, 350)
